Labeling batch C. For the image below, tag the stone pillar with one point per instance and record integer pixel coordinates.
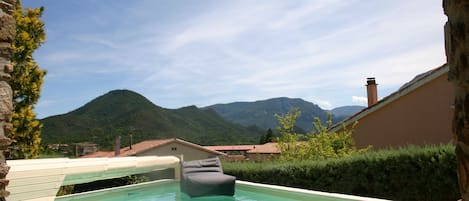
(457, 55)
(7, 35)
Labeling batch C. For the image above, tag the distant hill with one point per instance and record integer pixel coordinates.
(122, 112)
(347, 110)
(261, 113)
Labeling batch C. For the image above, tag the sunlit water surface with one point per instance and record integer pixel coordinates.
(169, 191)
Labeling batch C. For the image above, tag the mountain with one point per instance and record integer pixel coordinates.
(123, 112)
(261, 113)
(347, 110)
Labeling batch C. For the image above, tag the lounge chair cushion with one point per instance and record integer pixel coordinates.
(203, 184)
(205, 177)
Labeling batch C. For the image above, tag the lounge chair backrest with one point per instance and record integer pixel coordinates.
(205, 177)
(199, 166)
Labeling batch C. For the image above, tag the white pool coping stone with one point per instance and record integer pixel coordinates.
(246, 183)
(311, 192)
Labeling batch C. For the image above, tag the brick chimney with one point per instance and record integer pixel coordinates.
(372, 91)
(117, 146)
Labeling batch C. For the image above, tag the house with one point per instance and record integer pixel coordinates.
(248, 152)
(419, 113)
(164, 147)
(233, 152)
(265, 151)
(84, 148)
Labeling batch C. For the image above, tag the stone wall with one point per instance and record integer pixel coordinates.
(7, 35)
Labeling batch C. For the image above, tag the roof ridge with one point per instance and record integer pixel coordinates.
(418, 81)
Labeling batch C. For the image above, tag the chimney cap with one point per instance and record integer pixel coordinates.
(370, 80)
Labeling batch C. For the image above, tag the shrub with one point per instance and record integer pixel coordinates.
(315, 145)
(412, 173)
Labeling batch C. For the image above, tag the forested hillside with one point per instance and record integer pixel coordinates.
(123, 112)
(261, 113)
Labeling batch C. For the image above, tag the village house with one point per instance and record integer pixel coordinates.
(163, 147)
(267, 151)
(84, 148)
(233, 152)
(419, 113)
(248, 152)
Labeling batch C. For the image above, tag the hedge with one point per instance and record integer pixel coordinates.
(412, 173)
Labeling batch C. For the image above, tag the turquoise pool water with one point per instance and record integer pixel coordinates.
(169, 191)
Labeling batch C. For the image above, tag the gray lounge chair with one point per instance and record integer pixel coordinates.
(205, 177)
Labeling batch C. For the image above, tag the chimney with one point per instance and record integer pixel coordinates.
(117, 146)
(130, 147)
(372, 91)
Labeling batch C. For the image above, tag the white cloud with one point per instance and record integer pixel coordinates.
(243, 50)
(360, 100)
(297, 14)
(219, 26)
(322, 103)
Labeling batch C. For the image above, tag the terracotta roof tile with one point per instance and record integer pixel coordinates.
(147, 145)
(268, 148)
(231, 147)
(99, 154)
(143, 146)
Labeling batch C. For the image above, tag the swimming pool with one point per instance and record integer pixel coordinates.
(168, 190)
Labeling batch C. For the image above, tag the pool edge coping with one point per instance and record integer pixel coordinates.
(117, 188)
(311, 192)
(247, 183)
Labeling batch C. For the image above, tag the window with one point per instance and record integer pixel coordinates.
(174, 148)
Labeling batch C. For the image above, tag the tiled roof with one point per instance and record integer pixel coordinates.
(147, 145)
(231, 147)
(99, 154)
(143, 146)
(408, 87)
(268, 148)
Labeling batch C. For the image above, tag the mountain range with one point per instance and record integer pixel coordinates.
(124, 112)
(345, 111)
(262, 113)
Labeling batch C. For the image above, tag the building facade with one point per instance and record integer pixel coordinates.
(164, 147)
(419, 113)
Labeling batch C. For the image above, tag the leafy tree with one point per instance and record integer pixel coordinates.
(26, 82)
(288, 140)
(316, 145)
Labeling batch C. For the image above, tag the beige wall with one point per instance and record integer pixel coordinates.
(421, 117)
(177, 149)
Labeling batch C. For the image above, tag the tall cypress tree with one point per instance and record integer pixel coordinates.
(269, 136)
(26, 82)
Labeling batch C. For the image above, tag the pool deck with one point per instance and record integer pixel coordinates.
(41, 179)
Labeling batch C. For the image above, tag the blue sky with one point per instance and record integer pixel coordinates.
(179, 53)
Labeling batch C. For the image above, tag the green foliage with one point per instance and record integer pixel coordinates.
(412, 173)
(103, 184)
(122, 112)
(316, 145)
(268, 137)
(26, 82)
